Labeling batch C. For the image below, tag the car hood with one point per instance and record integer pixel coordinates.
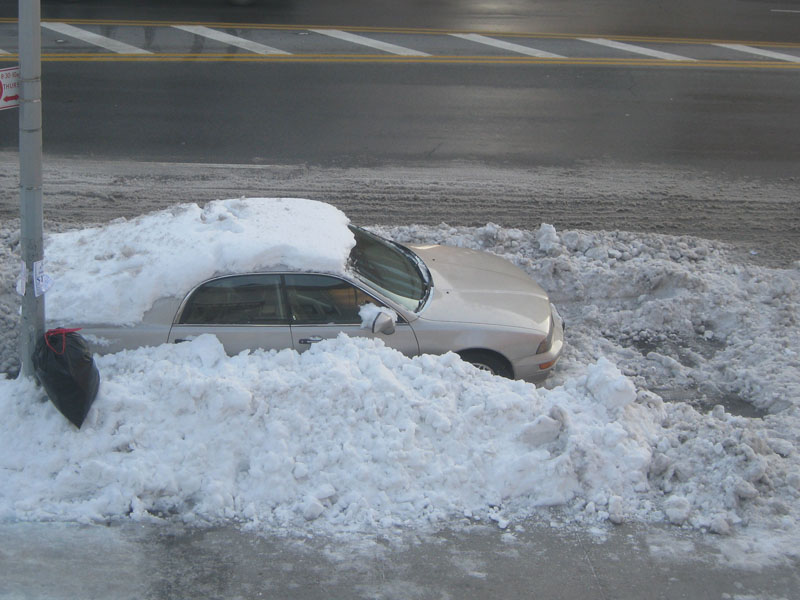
(477, 287)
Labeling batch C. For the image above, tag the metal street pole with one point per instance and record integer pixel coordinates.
(30, 177)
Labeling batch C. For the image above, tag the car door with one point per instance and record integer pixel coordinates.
(322, 306)
(245, 312)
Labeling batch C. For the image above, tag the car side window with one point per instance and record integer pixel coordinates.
(321, 299)
(237, 300)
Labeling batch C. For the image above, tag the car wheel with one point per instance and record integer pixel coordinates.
(487, 361)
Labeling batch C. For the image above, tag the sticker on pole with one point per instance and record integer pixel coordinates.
(41, 280)
(9, 87)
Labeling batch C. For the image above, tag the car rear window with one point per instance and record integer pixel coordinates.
(237, 300)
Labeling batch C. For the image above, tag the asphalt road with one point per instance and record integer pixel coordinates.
(336, 113)
(726, 120)
(358, 115)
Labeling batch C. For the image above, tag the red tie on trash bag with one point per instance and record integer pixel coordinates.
(63, 333)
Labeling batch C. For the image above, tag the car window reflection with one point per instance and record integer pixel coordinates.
(238, 300)
(320, 299)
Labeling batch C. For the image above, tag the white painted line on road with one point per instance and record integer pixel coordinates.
(487, 41)
(364, 41)
(784, 10)
(231, 40)
(94, 39)
(760, 52)
(635, 49)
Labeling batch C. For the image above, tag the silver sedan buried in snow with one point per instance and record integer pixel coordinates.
(428, 299)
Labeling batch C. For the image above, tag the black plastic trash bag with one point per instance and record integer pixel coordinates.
(65, 367)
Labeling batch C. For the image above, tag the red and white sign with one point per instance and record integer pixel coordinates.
(10, 87)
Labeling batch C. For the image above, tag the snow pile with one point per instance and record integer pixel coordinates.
(353, 435)
(113, 274)
(675, 314)
(351, 432)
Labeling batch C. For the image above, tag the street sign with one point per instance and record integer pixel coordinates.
(9, 87)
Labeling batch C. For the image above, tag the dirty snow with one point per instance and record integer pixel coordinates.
(676, 401)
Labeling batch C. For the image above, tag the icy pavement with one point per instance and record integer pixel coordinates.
(135, 561)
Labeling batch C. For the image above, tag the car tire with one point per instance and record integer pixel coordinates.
(488, 361)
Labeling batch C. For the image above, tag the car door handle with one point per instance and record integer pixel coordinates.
(311, 340)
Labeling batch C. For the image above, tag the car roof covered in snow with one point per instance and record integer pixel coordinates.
(114, 273)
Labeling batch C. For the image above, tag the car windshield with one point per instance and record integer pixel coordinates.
(391, 269)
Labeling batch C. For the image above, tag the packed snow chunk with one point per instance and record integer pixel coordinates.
(720, 525)
(542, 431)
(312, 508)
(609, 386)
(113, 274)
(616, 513)
(547, 238)
(779, 446)
(325, 491)
(369, 312)
(677, 509)
(745, 490)
(599, 253)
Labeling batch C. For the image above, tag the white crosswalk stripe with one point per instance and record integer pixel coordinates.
(94, 38)
(231, 40)
(511, 47)
(80, 41)
(635, 49)
(760, 52)
(369, 42)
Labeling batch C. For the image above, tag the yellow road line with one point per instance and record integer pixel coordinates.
(384, 59)
(420, 31)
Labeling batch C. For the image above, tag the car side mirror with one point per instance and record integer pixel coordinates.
(383, 323)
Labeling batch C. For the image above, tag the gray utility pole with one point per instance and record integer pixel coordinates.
(30, 177)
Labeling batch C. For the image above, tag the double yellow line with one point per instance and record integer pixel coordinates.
(384, 59)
